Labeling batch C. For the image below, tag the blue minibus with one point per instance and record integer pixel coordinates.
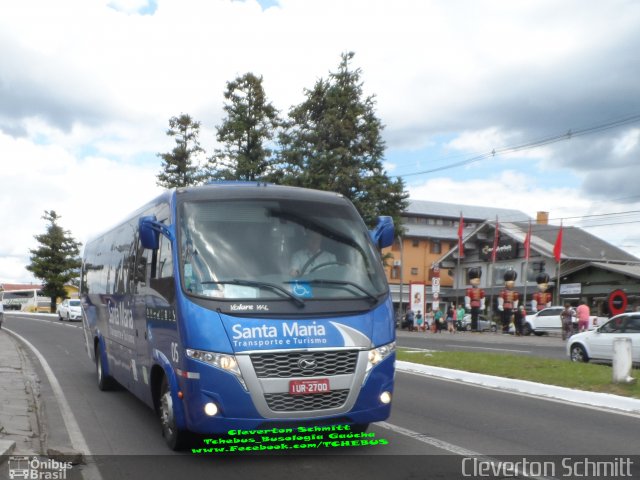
(243, 306)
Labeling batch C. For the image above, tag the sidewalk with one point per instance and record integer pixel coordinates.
(19, 429)
(604, 401)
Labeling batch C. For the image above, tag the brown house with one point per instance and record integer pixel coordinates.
(431, 230)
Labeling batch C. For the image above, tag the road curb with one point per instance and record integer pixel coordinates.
(593, 399)
(6, 448)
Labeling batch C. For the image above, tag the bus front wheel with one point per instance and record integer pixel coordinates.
(105, 382)
(175, 438)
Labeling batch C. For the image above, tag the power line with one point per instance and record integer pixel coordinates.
(532, 144)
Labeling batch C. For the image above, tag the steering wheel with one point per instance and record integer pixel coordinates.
(323, 265)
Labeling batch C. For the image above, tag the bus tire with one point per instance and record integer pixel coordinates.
(176, 439)
(105, 382)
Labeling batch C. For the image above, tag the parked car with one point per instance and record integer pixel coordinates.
(69, 309)
(598, 344)
(544, 321)
(484, 324)
(548, 320)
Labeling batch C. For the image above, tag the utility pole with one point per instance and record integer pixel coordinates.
(400, 306)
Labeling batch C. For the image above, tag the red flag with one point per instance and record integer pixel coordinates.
(460, 235)
(494, 252)
(557, 248)
(527, 243)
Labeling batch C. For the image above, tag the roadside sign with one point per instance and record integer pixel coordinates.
(618, 302)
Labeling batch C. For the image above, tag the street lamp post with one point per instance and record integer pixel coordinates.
(400, 306)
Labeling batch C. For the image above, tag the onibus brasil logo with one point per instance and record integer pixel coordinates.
(37, 468)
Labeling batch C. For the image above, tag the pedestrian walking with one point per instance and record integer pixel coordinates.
(451, 318)
(583, 314)
(429, 320)
(566, 317)
(409, 319)
(438, 321)
(519, 318)
(460, 313)
(419, 321)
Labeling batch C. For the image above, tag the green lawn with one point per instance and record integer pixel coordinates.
(582, 376)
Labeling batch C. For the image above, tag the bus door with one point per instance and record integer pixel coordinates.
(155, 319)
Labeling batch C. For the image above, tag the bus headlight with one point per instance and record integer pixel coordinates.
(378, 354)
(223, 361)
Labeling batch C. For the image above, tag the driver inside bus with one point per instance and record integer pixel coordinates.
(193, 269)
(312, 256)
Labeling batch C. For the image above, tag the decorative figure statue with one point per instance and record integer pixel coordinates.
(474, 298)
(508, 299)
(541, 299)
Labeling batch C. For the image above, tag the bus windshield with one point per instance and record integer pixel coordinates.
(277, 249)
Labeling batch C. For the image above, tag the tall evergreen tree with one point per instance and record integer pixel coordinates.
(334, 142)
(56, 260)
(246, 132)
(180, 166)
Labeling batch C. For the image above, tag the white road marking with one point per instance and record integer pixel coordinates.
(434, 442)
(488, 348)
(501, 466)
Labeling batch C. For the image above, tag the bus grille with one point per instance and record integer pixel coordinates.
(282, 402)
(287, 364)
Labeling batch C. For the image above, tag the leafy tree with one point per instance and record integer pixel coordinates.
(333, 142)
(56, 260)
(249, 127)
(179, 167)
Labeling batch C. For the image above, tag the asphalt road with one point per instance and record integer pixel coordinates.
(547, 346)
(435, 426)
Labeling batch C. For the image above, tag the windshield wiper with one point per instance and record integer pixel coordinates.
(369, 295)
(250, 283)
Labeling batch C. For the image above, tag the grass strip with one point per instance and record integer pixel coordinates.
(581, 376)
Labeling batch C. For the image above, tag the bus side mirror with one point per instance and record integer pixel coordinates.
(384, 232)
(149, 236)
(150, 230)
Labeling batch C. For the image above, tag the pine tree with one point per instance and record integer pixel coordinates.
(56, 260)
(180, 166)
(249, 127)
(334, 142)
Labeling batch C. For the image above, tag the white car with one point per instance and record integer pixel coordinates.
(69, 310)
(548, 320)
(598, 344)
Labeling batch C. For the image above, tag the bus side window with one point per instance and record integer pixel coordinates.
(163, 280)
(165, 260)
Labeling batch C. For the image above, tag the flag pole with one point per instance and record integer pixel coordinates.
(494, 254)
(558, 284)
(460, 253)
(557, 253)
(527, 248)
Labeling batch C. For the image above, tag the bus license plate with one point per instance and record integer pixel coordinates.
(309, 387)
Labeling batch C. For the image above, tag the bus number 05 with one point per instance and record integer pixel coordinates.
(174, 352)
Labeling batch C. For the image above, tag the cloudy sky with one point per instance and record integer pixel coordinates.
(87, 88)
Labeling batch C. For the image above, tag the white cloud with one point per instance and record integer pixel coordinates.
(90, 195)
(514, 190)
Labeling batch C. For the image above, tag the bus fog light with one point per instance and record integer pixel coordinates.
(385, 397)
(211, 409)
